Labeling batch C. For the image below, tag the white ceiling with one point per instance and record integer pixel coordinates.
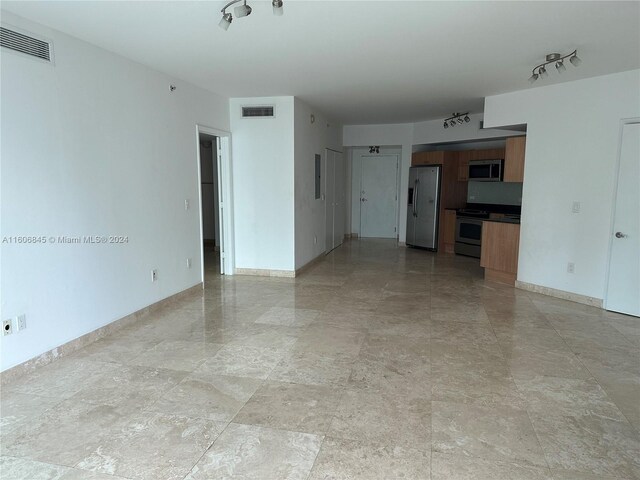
(361, 61)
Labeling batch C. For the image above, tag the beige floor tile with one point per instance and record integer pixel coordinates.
(14, 468)
(16, 409)
(266, 336)
(330, 340)
(257, 453)
(348, 459)
(500, 433)
(215, 397)
(177, 355)
(63, 378)
(65, 433)
(383, 418)
(290, 317)
(460, 467)
(461, 332)
(567, 396)
(406, 375)
(241, 361)
(290, 406)
(591, 444)
(130, 386)
(310, 368)
(153, 446)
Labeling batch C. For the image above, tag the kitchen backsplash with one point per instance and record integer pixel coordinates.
(497, 193)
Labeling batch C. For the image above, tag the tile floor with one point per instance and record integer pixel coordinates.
(378, 363)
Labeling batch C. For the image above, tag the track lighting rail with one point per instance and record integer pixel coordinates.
(540, 71)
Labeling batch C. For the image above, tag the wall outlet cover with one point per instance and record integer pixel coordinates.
(154, 275)
(575, 207)
(7, 328)
(571, 267)
(188, 263)
(21, 322)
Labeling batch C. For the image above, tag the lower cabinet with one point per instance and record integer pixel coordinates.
(499, 254)
(449, 230)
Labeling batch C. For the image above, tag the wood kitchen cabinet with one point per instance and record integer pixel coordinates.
(463, 165)
(514, 159)
(499, 254)
(428, 158)
(449, 230)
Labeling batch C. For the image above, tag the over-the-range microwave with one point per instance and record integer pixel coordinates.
(486, 170)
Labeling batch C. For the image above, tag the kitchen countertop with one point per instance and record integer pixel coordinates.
(502, 220)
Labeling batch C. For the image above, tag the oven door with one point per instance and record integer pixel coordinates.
(469, 230)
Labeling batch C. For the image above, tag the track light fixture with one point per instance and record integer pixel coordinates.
(375, 149)
(540, 71)
(456, 119)
(244, 10)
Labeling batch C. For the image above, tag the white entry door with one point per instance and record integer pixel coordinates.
(623, 289)
(378, 196)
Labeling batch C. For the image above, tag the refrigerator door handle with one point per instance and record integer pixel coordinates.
(415, 198)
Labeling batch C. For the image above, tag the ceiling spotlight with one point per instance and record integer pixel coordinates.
(277, 7)
(575, 60)
(243, 10)
(456, 119)
(225, 21)
(540, 71)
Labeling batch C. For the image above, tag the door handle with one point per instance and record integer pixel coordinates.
(363, 199)
(415, 200)
(621, 235)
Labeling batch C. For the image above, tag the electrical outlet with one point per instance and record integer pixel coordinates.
(186, 204)
(315, 240)
(188, 263)
(575, 207)
(7, 328)
(154, 275)
(571, 267)
(21, 322)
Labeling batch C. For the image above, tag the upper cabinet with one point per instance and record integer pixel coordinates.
(427, 158)
(463, 164)
(514, 159)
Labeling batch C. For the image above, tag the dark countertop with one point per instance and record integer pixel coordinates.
(502, 220)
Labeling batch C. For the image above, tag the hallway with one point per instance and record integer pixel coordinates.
(379, 362)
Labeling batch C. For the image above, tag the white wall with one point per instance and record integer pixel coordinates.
(311, 139)
(94, 145)
(572, 146)
(386, 135)
(263, 185)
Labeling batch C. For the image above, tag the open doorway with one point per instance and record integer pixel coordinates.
(216, 208)
(210, 203)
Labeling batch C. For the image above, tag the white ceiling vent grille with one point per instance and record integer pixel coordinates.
(26, 44)
(253, 112)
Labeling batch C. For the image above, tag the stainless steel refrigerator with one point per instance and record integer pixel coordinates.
(423, 205)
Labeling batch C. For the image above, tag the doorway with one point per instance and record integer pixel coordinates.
(210, 203)
(216, 212)
(623, 283)
(379, 196)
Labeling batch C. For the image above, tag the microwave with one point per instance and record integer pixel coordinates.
(486, 170)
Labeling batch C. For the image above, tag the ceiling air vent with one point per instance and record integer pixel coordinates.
(22, 43)
(252, 112)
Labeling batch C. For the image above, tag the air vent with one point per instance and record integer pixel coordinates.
(251, 112)
(22, 43)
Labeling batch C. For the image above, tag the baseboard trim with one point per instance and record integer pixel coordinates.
(350, 235)
(402, 244)
(310, 264)
(76, 344)
(260, 272)
(552, 292)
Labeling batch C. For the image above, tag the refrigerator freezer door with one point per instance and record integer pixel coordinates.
(426, 207)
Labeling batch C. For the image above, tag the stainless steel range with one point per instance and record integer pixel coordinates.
(469, 231)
